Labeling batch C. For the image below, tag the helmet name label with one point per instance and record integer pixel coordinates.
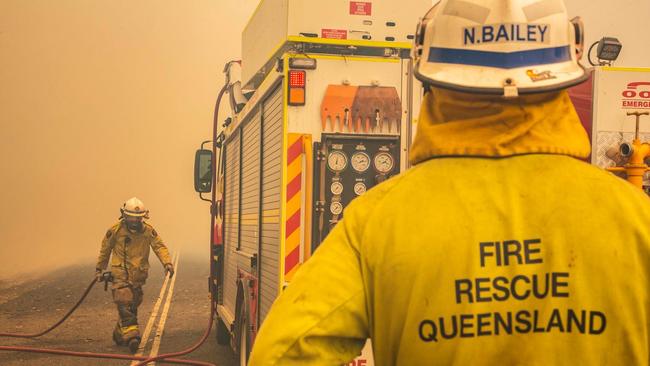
(499, 33)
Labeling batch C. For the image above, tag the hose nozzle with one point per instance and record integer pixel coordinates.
(106, 278)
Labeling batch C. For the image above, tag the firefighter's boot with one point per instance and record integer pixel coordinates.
(134, 344)
(126, 335)
(117, 335)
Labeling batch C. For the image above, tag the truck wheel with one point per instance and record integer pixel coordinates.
(243, 349)
(223, 335)
(243, 339)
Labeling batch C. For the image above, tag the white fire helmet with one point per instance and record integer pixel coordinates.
(134, 207)
(502, 47)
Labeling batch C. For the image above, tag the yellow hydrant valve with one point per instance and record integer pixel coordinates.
(637, 152)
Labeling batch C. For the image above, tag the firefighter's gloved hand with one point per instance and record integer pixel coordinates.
(98, 275)
(169, 269)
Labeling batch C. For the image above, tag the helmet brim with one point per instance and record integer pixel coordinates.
(134, 214)
(485, 80)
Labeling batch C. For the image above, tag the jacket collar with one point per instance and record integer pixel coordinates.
(460, 124)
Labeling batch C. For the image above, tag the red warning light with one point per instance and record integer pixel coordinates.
(297, 78)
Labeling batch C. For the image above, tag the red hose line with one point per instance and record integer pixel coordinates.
(167, 359)
(186, 351)
(65, 317)
(61, 352)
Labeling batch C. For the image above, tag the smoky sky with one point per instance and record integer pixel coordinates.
(101, 101)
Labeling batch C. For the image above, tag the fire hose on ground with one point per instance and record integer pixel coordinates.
(166, 358)
(64, 318)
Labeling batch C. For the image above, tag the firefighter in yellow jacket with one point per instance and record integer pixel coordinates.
(500, 246)
(127, 245)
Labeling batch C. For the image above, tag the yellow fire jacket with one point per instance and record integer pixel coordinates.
(498, 248)
(130, 254)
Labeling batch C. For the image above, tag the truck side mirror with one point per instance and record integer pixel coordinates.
(203, 171)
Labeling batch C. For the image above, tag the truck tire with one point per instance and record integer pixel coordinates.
(244, 346)
(223, 334)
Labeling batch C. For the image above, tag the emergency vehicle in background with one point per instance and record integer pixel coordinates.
(324, 111)
(610, 104)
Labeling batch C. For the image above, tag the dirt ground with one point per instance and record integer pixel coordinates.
(32, 304)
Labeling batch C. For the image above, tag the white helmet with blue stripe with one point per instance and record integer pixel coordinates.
(503, 47)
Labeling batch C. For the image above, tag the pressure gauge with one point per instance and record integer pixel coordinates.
(337, 161)
(336, 188)
(384, 162)
(359, 189)
(360, 162)
(336, 208)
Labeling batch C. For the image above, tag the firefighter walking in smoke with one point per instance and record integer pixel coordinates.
(128, 242)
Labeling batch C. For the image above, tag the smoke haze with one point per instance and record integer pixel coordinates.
(101, 101)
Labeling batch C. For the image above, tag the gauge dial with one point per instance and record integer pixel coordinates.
(384, 162)
(336, 208)
(360, 162)
(336, 188)
(337, 161)
(359, 189)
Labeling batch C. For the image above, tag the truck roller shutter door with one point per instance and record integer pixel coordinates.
(272, 117)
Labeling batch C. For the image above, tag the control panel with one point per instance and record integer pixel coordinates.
(346, 167)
